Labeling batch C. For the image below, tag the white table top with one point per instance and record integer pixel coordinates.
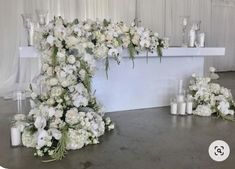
(31, 52)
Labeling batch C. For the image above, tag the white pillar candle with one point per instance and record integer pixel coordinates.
(173, 108)
(15, 136)
(180, 98)
(181, 108)
(201, 39)
(189, 108)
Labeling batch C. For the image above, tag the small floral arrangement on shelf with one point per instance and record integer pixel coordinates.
(65, 114)
(211, 98)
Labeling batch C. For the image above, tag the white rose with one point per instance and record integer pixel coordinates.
(56, 91)
(71, 41)
(71, 59)
(50, 101)
(53, 81)
(45, 66)
(50, 39)
(135, 39)
(49, 71)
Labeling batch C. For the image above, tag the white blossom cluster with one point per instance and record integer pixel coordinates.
(210, 97)
(63, 106)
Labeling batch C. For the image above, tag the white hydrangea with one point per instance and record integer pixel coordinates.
(29, 139)
(203, 110)
(76, 139)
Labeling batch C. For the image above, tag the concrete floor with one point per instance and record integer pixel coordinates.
(143, 139)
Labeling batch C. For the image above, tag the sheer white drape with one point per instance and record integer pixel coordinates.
(13, 35)
(9, 33)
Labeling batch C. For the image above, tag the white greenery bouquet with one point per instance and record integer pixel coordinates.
(65, 114)
(211, 98)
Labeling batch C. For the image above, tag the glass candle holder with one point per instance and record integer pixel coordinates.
(184, 22)
(42, 17)
(29, 26)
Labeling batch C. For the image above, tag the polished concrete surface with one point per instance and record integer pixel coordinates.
(143, 139)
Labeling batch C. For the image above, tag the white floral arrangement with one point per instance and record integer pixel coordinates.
(211, 98)
(65, 114)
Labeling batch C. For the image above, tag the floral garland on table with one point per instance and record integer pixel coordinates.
(65, 114)
(211, 98)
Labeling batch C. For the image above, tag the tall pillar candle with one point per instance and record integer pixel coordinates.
(15, 136)
(181, 108)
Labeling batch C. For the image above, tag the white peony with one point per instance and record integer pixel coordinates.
(71, 116)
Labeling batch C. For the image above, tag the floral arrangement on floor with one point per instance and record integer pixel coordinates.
(65, 114)
(211, 98)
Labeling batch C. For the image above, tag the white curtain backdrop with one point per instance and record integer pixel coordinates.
(13, 35)
(217, 18)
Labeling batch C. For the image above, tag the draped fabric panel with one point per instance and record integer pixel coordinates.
(14, 77)
(162, 16)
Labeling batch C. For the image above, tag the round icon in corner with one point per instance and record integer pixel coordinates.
(219, 150)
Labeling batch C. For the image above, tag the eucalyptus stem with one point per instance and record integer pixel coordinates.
(60, 150)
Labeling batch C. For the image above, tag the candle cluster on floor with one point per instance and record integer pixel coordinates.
(181, 104)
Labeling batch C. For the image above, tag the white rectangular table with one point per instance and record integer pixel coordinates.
(149, 84)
